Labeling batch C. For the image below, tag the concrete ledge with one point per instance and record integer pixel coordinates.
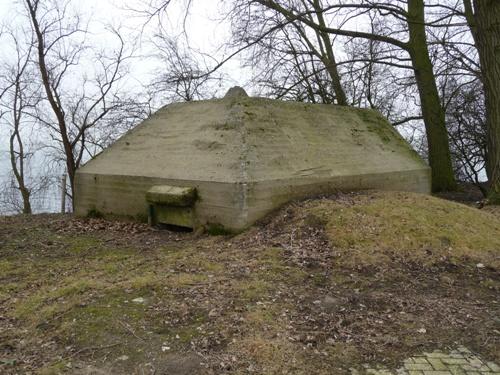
(172, 195)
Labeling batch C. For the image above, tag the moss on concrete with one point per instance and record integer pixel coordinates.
(215, 229)
(171, 195)
(172, 215)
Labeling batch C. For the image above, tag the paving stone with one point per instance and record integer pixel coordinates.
(437, 364)
(455, 361)
(460, 361)
(474, 368)
(436, 354)
(457, 370)
(476, 362)
(420, 360)
(418, 366)
(493, 366)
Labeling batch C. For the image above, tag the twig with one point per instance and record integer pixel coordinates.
(94, 348)
(127, 327)
(208, 282)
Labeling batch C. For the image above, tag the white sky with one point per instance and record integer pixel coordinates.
(204, 29)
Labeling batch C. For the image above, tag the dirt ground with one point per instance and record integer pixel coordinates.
(319, 287)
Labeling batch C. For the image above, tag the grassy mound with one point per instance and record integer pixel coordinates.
(377, 228)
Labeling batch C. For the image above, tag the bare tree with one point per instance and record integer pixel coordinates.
(183, 74)
(376, 77)
(304, 57)
(74, 110)
(21, 95)
(151, 10)
(465, 114)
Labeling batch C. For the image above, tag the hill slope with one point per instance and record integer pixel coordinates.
(376, 228)
(319, 287)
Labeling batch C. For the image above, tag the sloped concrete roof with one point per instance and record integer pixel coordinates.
(244, 139)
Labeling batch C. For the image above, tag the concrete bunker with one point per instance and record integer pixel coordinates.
(228, 162)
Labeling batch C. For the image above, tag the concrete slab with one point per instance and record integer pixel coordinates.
(171, 195)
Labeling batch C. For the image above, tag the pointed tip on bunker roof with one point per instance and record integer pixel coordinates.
(235, 92)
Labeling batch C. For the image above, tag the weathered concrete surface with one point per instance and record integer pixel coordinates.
(171, 195)
(246, 156)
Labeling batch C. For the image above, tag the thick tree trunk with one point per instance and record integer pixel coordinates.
(486, 30)
(329, 60)
(331, 67)
(433, 113)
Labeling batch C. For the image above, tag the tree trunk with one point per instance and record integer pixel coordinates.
(434, 117)
(329, 60)
(63, 194)
(331, 67)
(486, 31)
(17, 155)
(52, 96)
(26, 201)
(19, 170)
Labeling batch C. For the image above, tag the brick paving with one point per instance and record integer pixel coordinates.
(457, 362)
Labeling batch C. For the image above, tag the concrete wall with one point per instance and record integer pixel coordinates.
(232, 205)
(125, 196)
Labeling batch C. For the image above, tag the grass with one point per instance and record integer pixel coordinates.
(123, 301)
(422, 229)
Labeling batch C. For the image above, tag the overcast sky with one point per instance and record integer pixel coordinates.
(205, 32)
(205, 29)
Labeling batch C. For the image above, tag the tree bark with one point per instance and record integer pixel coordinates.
(484, 22)
(432, 111)
(329, 60)
(52, 97)
(19, 171)
(63, 194)
(17, 155)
